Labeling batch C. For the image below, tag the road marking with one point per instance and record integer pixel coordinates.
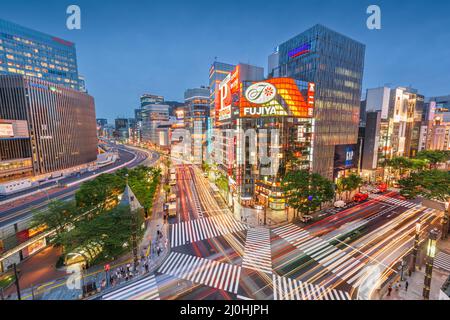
(257, 254)
(144, 289)
(208, 272)
(205, 228)
(291, 289)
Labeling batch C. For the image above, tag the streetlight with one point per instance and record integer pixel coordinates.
(416, 247)
(431, 252)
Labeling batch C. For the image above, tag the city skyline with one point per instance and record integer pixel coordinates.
(166, 62)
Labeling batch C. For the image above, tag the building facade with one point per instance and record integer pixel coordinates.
(335, 63)
(217, 73)
(44, 127)
(264, 128)
(401, 111)
(197, 113)
(35, 54)
(435, 130)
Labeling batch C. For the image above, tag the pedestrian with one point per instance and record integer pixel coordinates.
(389, 291)
(406, 285)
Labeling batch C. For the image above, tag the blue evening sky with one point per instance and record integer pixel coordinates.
(129, 47)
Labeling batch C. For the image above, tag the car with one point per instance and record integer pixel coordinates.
(382, 187)
(306, 219)
(360, 197)
(340, 204)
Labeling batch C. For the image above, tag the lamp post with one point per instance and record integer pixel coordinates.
(431, 252)
(416, 247)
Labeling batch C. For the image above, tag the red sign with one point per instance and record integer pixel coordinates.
(107, 267)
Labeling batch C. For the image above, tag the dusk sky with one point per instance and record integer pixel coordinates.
(126, 48)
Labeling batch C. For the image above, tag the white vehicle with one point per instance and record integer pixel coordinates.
(340, 204)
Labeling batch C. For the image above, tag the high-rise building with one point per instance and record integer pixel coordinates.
(335, 63)
(155, 118)
(121, 128)
(264, 128)
(401, 118)
(35, 54)
(197, 112)
(217, 73)
(435, 130)
(44, 127)
(147, 99)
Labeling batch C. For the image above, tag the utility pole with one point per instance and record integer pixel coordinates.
(17, 282)
(431, 252)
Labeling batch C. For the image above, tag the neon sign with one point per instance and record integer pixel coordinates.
(303, 49)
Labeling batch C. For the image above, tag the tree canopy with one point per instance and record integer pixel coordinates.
(305, 191)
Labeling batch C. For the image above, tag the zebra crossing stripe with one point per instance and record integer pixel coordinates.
(199, 270)
(257, 254)
(144, 289)
(442, 261)
(203, 228)
(290, 289)
(334, 259)
(395, 201)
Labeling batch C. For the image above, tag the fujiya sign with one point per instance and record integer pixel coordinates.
(261, 93)
(262, 111)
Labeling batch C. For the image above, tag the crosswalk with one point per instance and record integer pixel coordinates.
(394, 201)
(144, 289)
(333, 259)
(291, 289)
(257, 250)
(205, 228)
(442, 261)
(218, 275)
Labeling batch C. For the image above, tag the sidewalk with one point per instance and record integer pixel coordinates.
(416, 281)
(416, 284)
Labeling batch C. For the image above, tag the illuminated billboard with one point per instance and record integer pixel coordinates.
(224, 99)
(277, 97)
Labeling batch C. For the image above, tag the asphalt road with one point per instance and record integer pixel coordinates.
(22, 208)
(345, 256)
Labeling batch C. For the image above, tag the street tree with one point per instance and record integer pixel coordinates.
(432, 185)
(349, 184)
(58, 216)
(305, 192)
(434, 157)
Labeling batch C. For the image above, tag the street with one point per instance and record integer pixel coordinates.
(345, 256)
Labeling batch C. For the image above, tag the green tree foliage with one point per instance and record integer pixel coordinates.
(58, 216)
(434, 157)
(103, 237)
(305, 191)
(105, 232)
(433, 185)
(99, 191)
(349, 184)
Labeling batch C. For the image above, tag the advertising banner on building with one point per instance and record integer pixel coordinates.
(277, 97)
(223, 100)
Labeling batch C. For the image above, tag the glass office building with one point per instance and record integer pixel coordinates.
(197, 113)
(35, 54)
(335, 63)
